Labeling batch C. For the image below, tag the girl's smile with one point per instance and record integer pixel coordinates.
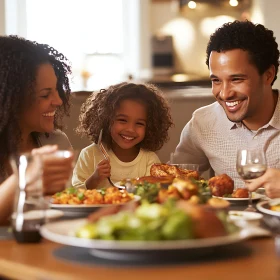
(129, 127)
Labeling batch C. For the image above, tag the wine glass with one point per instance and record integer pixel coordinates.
(250, 164)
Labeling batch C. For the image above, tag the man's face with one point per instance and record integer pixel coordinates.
(238, 87)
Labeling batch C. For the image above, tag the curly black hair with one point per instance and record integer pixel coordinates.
(19, 61)
(99, 109)
(257, 40)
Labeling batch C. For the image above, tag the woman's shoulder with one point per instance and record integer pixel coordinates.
(57, 137)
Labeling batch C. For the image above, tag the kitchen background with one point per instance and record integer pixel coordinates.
(158, 41)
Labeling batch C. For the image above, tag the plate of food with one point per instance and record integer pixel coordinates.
(255, 196)
(270, 207)
(80, 202)
(151, 229)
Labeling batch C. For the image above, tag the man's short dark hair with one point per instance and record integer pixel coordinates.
(257, 40)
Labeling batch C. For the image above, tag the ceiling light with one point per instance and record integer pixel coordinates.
(192, 5)
(233, 3)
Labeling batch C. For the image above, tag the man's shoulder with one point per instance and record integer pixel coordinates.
(211, 111)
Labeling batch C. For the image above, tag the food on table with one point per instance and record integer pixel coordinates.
(221, 185)
(240, 193)
(169, 221)
(110, 195)
(163, 170)
(275, 207)
(179, 188)
(152, 179)
(217, 203)
(206, 223)
(148, 191)
(195, 191)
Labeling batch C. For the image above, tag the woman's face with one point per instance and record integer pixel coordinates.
(129, 124)
(39, 116)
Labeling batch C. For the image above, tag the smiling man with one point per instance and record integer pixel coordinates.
(243, 61)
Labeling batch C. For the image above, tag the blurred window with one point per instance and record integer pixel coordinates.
(90, 33)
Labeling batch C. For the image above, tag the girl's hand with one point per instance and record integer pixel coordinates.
(103, 170)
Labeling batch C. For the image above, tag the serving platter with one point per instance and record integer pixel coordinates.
(63, 232)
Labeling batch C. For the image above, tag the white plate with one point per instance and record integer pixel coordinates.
(244, 215)
(81, 210)
(255, 196)
(63, 232)
(243, 218)
(264, 207)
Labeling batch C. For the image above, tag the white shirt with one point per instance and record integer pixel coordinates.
(211, 140)
(91, 156)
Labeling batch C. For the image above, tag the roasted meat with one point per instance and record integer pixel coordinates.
(240, 193)
(221, 185)
(164, 170)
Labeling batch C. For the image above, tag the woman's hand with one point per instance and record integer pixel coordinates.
(102, 171)
(270, 181)
(57, 168)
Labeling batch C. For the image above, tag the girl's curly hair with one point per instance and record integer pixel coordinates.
(98, 113)
(19, 61)
(257, 40)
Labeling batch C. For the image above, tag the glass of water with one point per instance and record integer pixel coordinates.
(250, 164)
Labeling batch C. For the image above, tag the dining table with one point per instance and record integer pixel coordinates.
(256, 258)
(252, 259)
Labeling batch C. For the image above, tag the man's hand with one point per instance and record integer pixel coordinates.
(270, 181)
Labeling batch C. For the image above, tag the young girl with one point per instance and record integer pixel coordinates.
(135, 119)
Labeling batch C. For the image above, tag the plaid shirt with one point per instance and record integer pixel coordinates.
(211, 140)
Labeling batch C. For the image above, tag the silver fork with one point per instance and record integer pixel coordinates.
(106, 156)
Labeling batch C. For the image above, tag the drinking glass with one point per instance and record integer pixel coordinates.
(29, 203)
(250, 164)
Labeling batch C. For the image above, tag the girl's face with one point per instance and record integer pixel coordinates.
(129, 125)
(39, 116)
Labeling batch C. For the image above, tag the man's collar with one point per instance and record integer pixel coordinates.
(275, 120)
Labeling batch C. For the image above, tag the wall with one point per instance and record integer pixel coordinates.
(190, 30)
(190, 43)
(267, 13)
(2, 17)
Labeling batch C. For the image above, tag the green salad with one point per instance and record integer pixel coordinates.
(149, 222)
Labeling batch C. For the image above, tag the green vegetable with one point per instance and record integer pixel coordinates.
(87, 231)
(178, 226)
(148, 222)
(71, 190)
(147, 191)
(80, 195)
(58, 194)
(102, 191)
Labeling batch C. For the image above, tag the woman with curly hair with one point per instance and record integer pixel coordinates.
(34, 96)
(135, 119)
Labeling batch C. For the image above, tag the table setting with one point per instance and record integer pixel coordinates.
(72, 234)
